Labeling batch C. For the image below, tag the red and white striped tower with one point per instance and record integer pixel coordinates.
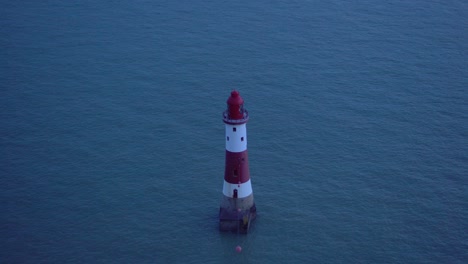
(237, 208)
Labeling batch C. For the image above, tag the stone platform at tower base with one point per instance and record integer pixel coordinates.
(238, 221)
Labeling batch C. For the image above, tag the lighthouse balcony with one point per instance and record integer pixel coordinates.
(229, 120)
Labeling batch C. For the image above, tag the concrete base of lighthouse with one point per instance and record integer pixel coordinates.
(236, 214)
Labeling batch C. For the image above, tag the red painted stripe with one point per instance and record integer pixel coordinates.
(237, 167)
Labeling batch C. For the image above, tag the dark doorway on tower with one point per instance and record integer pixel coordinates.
(234, 195)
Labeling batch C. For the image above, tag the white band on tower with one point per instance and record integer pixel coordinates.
(236, 138)
(243, 189)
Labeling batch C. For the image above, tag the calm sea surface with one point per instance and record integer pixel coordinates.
(112, 142)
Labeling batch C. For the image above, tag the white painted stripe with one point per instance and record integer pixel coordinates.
(236, 141)
(243, 189)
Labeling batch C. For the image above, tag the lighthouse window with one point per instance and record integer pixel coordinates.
(242, 138)
(227, 138)
(234, 129)
(235, 173)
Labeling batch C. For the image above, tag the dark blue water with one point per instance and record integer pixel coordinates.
(112, 144)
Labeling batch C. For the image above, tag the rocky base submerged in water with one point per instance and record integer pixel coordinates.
(238, 221)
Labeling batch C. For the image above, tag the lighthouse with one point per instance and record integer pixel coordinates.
(237, 208)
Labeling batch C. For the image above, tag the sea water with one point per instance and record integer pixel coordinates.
(112, 140)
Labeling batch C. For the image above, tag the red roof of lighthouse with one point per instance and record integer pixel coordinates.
(235, 99)
(235, 113)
